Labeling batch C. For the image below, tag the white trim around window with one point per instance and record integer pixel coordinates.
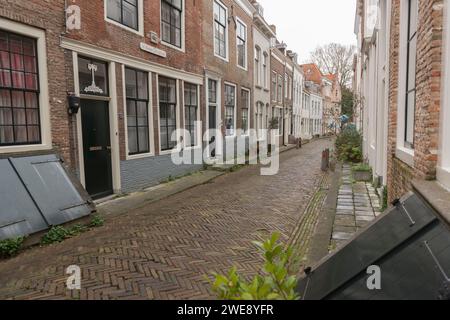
(235, 108)
(183, 28)
(404, 153)
(227, 47)
(140, 30)
(443, 169)
(44, 102)
(249, 107)
(198, 128)
(245, 67)
(177, 108)
(150, 117)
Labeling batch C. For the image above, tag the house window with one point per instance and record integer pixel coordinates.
(124, 12)
(264, 75)
(410, 105)
(220, 30)
(280, 88)
(167, 112)
(93, 77)
(137, 111)
(258, 66)
(191, 112)
(286, 86)
(171, 15)
(241, 43)
(230, 106)
(274, 86)
(245, 109)
(19, 91)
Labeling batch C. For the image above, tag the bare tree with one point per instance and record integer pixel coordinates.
(335, 58)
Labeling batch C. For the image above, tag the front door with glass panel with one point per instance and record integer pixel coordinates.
(97, 148)
(93, 83)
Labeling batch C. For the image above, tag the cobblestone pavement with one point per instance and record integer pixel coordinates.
(357, 206)
(165, 249)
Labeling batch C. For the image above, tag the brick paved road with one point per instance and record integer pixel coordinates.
(164, 250)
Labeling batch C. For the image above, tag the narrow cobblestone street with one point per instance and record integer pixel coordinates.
(164, 250)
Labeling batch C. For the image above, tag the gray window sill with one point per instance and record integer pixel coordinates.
(436, 196)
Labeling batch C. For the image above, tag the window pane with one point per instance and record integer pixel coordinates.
(20, 134)
(132, 140)
(412, 64)
(17, 98)
(130, 79)
(114, 10)
(31, 100)
(5, 117)
(6, 135)
(142, 119)
(131, 113)
(142, 78)
(143, 139)
(32, 116)
(5, 98)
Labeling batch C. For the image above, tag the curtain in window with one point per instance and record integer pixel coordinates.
(19, 93)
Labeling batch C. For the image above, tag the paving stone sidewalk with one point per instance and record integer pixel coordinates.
(164, 249)
(358, 205)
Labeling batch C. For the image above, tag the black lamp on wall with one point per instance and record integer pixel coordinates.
(74, 103)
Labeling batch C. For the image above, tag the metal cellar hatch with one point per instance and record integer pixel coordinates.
(37, 193)
(409, 244)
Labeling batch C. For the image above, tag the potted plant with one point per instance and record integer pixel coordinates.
(273, 125)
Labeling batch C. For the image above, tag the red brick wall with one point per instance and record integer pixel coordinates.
(428, 96)
(49, 16)
(97, 31)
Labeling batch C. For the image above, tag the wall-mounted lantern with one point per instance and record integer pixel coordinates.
(74, 103)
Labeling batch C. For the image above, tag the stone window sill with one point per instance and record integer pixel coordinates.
(436, 196)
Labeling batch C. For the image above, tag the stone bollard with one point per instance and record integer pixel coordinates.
(325, 160)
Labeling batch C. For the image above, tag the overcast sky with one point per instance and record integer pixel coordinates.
(306, 24)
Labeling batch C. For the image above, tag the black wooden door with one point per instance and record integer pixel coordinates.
(97, 148)
(212, 126)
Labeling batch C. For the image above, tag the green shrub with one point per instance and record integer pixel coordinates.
(55, 234)
(275, 284)
(10, 247)
(362, 167)
(97, 221)
(349, 146)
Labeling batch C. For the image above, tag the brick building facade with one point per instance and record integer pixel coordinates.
(144, 83)
(410, 101)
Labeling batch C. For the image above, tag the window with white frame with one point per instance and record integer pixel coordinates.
(258, 66)
(167, 112)
(230, 109)
(264, 74)
(124, 12)
(245, 109)
(286, 86)
(137, 97)
(191, 112)
(220, 30)
(19, 91)
(280, 88)
(410, 105)
(171, 22)
(241, 44)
